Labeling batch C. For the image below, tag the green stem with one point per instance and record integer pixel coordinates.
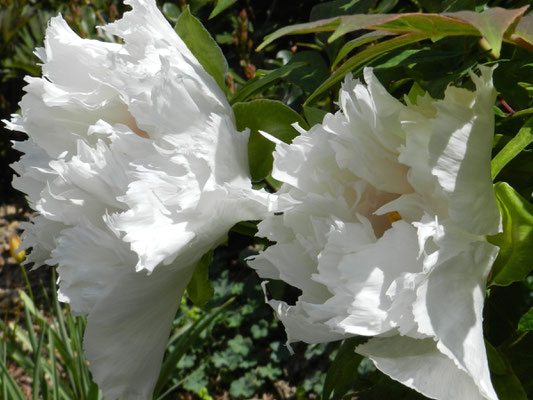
(25, 275)
(518, 339)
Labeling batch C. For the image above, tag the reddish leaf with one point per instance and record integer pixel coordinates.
(524, 32)
(322, 25)
(434, 24)
(492, 23)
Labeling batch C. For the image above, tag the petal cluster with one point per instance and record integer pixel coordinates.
(391, 203)
(136, 169)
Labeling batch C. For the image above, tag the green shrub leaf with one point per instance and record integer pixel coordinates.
(312, 74)
(504, 380)
(523, 138)
(199, 289)
(269, 116)
(516, 241)
(220, 6)
(526, 321)
(342, 373)
(171, 11)
(260, 83)
(364, 56)
(203, 46)
(314, 115)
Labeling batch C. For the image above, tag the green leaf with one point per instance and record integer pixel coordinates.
(220, 6)
(274, 183)
(312, 74)
(270, 372)
(415, 57)
(245, 228)
(171, 11)
(365, 56)
(240, 345)
(503, 378)
(94, 392)
(259, 84)
(203, 46)
(259, 330)
(457, 5)
(523, 138)
(196, 5)
(199, 289)
(335, 8)
(88, 18)
(526, 321)
(520, 356)
(385, 6)
(415, 91)
(498, 112)
(516, 241)
(314, 115)
(269, 116)
(342, 373)
(244, 387)
(358, 42)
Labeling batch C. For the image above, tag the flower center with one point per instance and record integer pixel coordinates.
(393, 216)
(373, 199)
(132, 124)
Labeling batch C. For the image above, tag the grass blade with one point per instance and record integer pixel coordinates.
(37, 372)
(10, 388)
(55, 380)
(185, 342)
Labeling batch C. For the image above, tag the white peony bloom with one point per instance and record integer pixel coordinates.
(386, 236)
(136, 169)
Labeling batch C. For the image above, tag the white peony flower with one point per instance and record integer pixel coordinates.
(136, 169)
(386, 236)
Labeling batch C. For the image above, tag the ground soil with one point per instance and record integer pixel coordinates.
(11, 273)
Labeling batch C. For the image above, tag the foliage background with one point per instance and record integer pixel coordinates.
(235, 348)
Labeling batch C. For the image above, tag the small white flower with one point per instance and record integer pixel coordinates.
(136, 169)
(387, 234)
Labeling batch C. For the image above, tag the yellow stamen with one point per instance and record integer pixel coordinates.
(393, 216)
(14, 244)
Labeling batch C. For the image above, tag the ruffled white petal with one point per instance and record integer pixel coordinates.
(90, 261)
(378, 137)
(136, 169)
(385, 233)
(127, 330)
(418, 364)
(300, 326)
(460, 150)
(459, 284)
